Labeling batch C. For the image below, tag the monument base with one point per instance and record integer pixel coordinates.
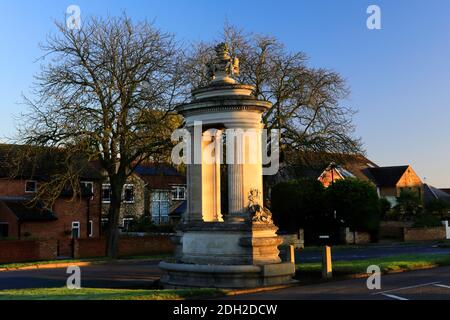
(227, 255)
(181, 275)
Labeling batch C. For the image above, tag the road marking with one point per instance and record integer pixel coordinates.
(406, 288)
(394, 297)
(442, 286)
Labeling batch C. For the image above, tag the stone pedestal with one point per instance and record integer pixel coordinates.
(228, 255)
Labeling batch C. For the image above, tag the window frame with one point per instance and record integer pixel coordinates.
(92, 187)
(123, 222)
(125, 186)
(35, 186)
(104, 188)
(177, 189)
(91, 228)
(161, 219)
(79, 228)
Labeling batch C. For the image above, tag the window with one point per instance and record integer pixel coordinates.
(75, 229)
(128, 193)
(88, 186)
(4, 228)
(91, 228)
(106, 193)
(30, 186)
(160, 207)
(105, 222)
(178, 193)
(126, 224)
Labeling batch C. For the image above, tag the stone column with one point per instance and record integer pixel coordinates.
(245, 173)
(235, 193)
(211, 159)
(194, 183)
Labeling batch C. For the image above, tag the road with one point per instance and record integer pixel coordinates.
(431, 284)
(372, 251)
(132, 274)
(112, 275)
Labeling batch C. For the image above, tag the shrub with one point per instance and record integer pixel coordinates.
(145, 224)
(385, 208)
(408, 205)
(426, 221)
(356, 203)
(438, 208)
(297, 203)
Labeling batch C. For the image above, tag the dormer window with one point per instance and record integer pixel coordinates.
(31, 186)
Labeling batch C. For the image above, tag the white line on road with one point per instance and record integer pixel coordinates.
(442, 286)
(410, 287)
(394, 297)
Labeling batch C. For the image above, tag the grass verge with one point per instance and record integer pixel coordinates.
(387, 265)
(93, 260)
(108, 294)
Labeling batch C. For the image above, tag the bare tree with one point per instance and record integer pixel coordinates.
(106, 94)
(306, 101)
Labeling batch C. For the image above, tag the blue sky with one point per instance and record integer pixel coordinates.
(399, 76)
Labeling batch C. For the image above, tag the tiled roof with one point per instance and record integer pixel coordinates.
(431, 193)
(25, 212)
(39, 164)
(180, 209)
(160, 176)
(385, 176)
(313, 165)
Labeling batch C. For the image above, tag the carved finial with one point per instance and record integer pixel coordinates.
(223, 66)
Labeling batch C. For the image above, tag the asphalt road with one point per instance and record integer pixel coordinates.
(372, 251)
(431, 284)
(131, 275)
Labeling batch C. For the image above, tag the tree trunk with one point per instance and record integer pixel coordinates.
(113, 219)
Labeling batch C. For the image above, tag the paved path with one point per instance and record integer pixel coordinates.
(372, 251)
(431, 284)
(111, 275)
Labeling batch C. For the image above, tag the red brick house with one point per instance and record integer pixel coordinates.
(67, 219)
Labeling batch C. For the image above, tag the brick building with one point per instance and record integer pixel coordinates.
(68, 218)
(156, 192)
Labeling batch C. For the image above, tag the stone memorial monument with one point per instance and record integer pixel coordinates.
(237, 248)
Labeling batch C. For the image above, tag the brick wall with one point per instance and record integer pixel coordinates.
(393, 229)
(22, 251)
(128, 246)
(424, 234)
(357, 237)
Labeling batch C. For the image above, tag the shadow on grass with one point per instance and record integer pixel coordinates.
(109, 294)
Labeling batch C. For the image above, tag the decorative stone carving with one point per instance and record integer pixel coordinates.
(258, 213)
(223, 65)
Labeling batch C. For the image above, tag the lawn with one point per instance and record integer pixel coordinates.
(91, 260)
(388, 264)
(108, 294)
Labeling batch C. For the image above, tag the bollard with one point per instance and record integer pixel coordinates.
(327, 268)
(290, 254)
